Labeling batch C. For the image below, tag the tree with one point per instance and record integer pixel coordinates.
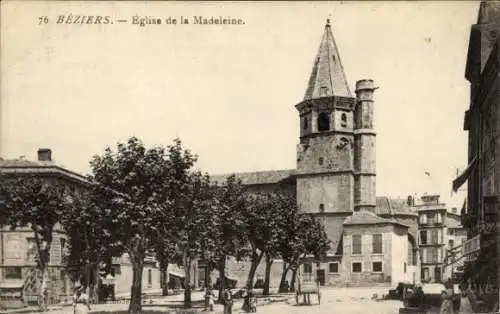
(195, 216)
(141, 206)
(264, 216)
(176, 185)
(314, 242)
(167, 253)
(91, 240)
(292, 246)
(229, 235)
(38, 203)
(284, 210)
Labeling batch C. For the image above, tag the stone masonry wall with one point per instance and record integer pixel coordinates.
(334, 149)
(334, 192)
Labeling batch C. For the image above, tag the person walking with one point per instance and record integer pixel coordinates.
(466, 299)
(447, 299)
(80, 301)
(228, 302)
(209, 299)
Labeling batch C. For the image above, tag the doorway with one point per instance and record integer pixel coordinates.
(320, 276)
(437, 274)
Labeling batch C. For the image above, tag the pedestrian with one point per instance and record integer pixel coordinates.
(228, 302)
(246, 300)
(466, 299)
(80, 301)
(209, 299)
(447, 297)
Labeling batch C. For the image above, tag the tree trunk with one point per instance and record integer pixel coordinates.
(256, 258)
(163, 274)
(286, 268)
(267, 279)
(222, 279)
(187, 281)
(42, 293)
(43, 241)
(95, 284)
(292, 282)
(136, 290)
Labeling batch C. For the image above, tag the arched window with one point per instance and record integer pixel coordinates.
(323, 122)
(343, 119)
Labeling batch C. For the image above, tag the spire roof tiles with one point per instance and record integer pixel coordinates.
(327, 77)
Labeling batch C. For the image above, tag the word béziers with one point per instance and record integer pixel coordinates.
(83, 19)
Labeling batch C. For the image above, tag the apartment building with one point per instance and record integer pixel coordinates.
(439, 231)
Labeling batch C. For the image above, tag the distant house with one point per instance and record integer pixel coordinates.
(439, 231)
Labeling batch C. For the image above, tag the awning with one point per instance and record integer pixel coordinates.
(12, 284)
(174, 270)
(460, 180)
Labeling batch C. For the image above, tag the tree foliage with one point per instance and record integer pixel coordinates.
(141, 204)
(38, 203)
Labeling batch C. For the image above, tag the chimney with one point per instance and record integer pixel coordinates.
(410, 201)
(44, 154)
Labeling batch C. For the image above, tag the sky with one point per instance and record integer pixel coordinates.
(228, 92)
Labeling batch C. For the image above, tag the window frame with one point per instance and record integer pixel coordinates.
(324, 123)
(360, 267)
(426, 237)
(360, 244)
(31, 250)
(8, 276)
(330, 267)
(381, 267)
(343, 120)
(381, 243)
(150, 278)
(307, 268)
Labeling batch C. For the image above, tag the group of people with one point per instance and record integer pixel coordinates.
(449, 299)
(249, 301)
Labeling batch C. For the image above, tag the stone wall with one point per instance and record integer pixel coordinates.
(239, 270)
(333, 191)
(334, 149)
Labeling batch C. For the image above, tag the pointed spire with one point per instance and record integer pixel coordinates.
(327, 76)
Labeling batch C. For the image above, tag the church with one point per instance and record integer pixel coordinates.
(373, 238)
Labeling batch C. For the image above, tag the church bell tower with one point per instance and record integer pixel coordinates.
(336, 153)
(325, 155)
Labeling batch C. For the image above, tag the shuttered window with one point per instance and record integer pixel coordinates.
(356, 244)
(377, 244)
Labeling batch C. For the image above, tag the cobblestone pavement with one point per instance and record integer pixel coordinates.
(333, 300)
(340, 300)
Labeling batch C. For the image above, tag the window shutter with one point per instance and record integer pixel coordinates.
(424, 255)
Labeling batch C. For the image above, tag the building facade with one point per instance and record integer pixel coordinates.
(482, 121)
(439, 233)
(335, 180)
(19, 276)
